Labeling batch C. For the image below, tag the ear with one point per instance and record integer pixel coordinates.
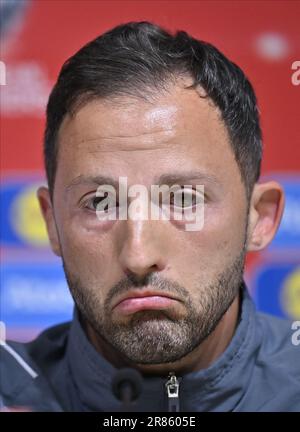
(266, 209)
(48, 215)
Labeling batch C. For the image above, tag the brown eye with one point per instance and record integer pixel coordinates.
(101, 204)
(96, 201)
(184, 198)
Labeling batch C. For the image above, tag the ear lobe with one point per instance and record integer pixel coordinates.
(266, 209)
(47, 212)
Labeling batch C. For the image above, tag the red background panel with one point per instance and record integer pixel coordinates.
(51, 31)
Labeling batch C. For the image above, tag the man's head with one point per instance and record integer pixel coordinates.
(142, 60)
(155, 108)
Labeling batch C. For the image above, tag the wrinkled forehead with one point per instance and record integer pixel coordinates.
(132, 136)
(127, 120)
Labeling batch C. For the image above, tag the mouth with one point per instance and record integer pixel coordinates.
(144, 300)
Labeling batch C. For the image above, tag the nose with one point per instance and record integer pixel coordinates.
(143, 248)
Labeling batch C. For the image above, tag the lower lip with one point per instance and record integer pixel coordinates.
(135, 304)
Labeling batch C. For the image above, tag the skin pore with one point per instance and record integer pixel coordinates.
(178, 136)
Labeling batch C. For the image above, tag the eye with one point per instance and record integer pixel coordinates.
(185, 198)
(93, 203)
(100, 204)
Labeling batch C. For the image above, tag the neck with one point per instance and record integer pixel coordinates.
(200, 358)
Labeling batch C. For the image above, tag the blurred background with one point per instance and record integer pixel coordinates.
(37, 36)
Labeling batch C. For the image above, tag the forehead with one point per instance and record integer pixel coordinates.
(130, 136)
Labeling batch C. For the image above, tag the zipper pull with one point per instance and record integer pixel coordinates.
(172, 387)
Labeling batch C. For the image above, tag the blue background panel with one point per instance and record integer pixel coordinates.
(34, 295)
(277, 289)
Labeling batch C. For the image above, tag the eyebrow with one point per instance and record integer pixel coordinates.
(170, 179)
(185, 177)
(82, 180)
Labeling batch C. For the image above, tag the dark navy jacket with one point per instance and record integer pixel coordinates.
(61, 371)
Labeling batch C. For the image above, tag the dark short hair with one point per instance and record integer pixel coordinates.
(137, 58)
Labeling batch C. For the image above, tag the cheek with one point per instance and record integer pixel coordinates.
(211, 250)
(86, 250)
(224, 230)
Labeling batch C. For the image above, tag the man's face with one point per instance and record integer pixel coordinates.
(178, 138)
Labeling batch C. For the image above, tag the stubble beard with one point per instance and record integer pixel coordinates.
(154, 336)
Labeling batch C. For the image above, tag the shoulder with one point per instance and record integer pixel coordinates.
(268, 367)
(277, 366)
(49, 346)
(24, 366)
(280, 342)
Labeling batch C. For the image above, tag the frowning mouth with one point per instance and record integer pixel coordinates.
(144, 300)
